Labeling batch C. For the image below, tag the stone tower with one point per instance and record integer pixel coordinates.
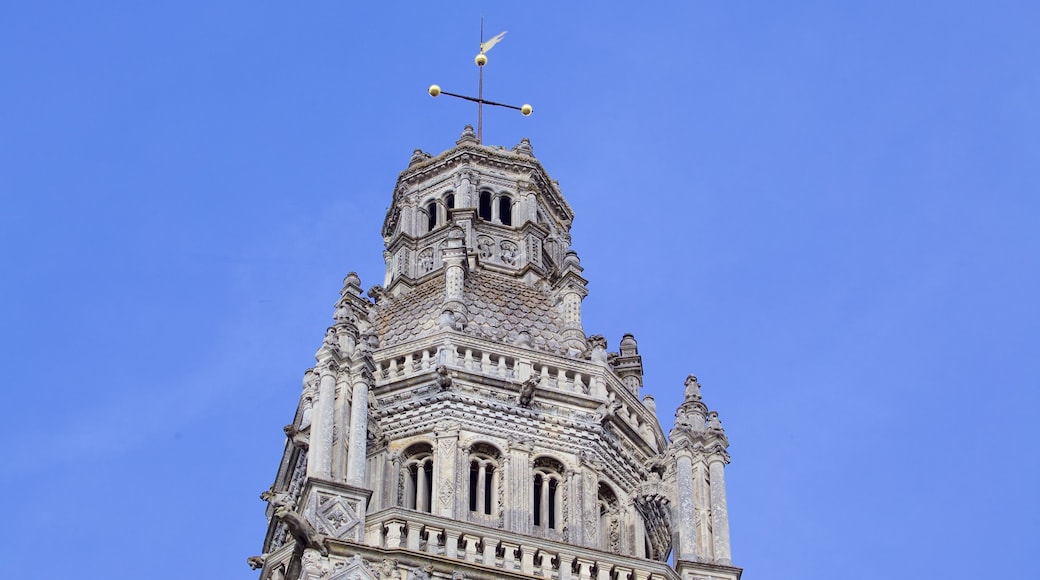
(459, 423)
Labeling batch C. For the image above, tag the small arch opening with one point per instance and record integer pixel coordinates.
(484, 209)
(431, 216)
(505, 210)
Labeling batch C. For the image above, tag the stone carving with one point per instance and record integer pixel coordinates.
(607, 410)
(331, 341)
(425, 261)
(443, 378)
(692, 392)
(447, 493)
(485, 247)
(597, 348)
(256, 562)
(615, 535)
(509, 252)
(278, 500)
(713, 421)
(421, 573)
(376, 293)
(302, 531)
(336, 516)
(388, 569)
(526, 393)
(298, 437)
(312, 565)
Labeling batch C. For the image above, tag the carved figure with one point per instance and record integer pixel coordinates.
(376, 293)
(331, 341)
(606, 411)
(443, 378)
(526, 393)
(485, 247)
(425, 263)
(693, 389)
(256, 562)
(421, 573)
(388, 569)
(280, 499)
(298, 437)
(312, 567)
(509, 251)
(713, 421)
(302, 530)
(447, 320)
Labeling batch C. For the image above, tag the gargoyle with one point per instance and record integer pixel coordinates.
(279, 499)
(606, 411)
(302, 531)
(526, 393)
(299, 438)
(256, 562)
(443, 378)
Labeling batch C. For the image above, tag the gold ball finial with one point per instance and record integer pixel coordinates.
(526, 110)
(481, 59)
(435, 90)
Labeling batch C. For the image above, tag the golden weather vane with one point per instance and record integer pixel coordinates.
(481, 60)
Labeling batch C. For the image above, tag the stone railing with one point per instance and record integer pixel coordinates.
(397, 528)
(566, 376)
(569, 375)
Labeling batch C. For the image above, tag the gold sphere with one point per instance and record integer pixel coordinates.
(481, 59)
(435, 90)
(526, 110)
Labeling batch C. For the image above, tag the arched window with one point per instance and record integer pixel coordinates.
(483, 480)
(431, 216)
(609, 519)
(505, 210)
(548, 495)
(449, 201)
(417, 473)
(484, 210)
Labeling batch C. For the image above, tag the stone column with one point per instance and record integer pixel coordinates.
(572, 287)
(357, 446)
(342, 427)
(519, 489)
(453, 308)
(573, 481)
(685, 508)
(702, 510)
(719, 515)
(319, 461)
(444, 469)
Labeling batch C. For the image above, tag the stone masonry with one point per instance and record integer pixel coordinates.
(459, 423)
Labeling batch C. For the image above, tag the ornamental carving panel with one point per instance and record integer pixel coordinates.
(485, 247)
(424, 263)
(337, 516)
(509, 252)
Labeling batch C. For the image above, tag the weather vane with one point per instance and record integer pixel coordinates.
(481, 60)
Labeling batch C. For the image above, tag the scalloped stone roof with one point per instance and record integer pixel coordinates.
(498, 308)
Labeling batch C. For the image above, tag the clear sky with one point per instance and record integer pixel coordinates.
(828, 211)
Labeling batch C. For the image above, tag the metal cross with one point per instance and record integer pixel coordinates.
(481, 60)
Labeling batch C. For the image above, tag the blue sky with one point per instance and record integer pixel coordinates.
(827, 211)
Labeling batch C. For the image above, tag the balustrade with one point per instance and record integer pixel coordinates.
(495, 548)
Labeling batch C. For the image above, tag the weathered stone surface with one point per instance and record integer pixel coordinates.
(461, 424)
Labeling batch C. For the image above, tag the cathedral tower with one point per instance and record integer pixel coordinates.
(458, 421)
